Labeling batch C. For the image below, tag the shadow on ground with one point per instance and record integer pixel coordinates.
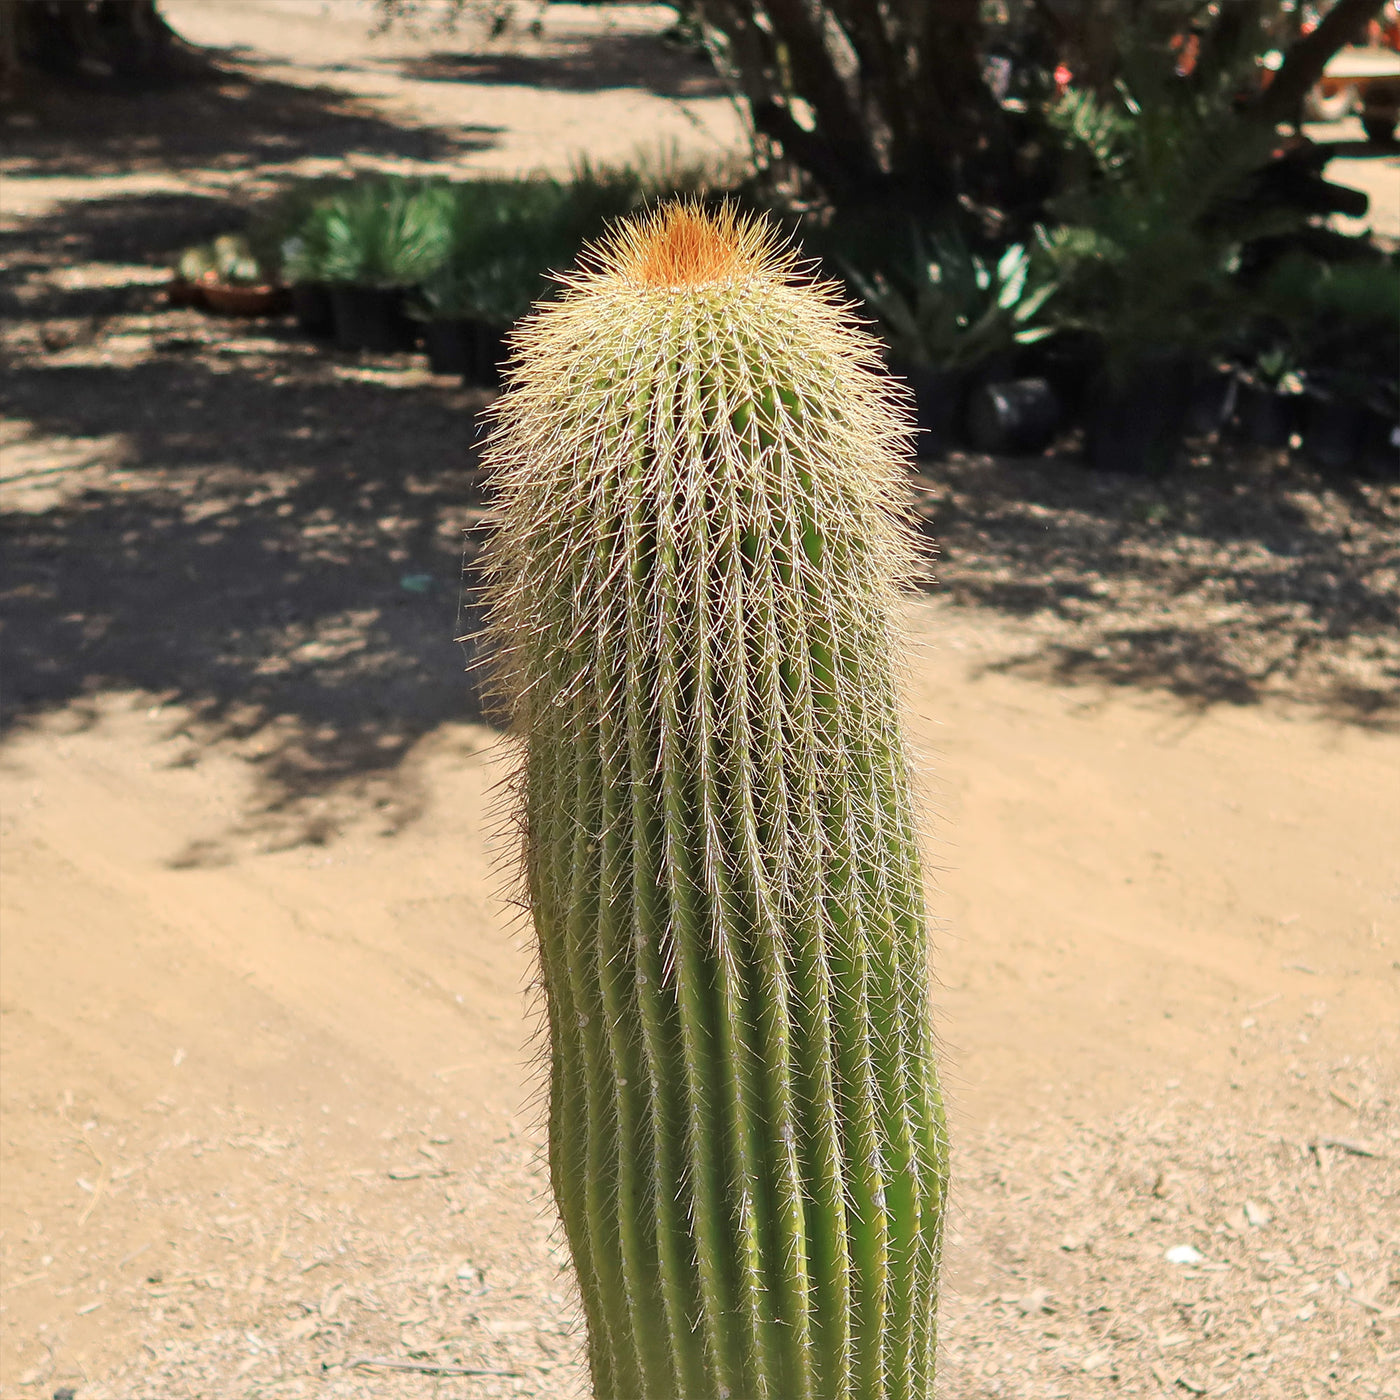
(221, 117)
(1243, 578)
(269, 537)
(272, 547)
(579, 65)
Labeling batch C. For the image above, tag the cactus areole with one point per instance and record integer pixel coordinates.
(694, 590)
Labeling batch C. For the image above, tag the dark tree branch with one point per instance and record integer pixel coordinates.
(1305, 60)
(809, 151)
(798, 28)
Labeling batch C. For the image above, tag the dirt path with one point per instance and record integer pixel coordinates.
(268, 1097)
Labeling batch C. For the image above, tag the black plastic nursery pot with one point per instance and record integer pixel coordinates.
(451, 344)
(1070, 362)
(372, 318)
(489, 355)
(1380, 445)
(311, 306)
(1213, 394)
(1016, 416)
(938, 402)
(1137, 419)
(1266, 417)
(1334, 432)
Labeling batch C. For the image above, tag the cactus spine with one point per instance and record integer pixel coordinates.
(694, 588)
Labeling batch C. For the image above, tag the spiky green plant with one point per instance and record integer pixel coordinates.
(386, 233)
(694, 587)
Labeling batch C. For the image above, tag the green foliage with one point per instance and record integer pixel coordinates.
(1334, 322)
(693, 589)
(386, 233)
(229, 259)
(507, 236)
(949, 308)
(305, 252)
(1152, 221)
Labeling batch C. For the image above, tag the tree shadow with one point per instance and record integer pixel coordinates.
(270, 541)
(1247, 577)
(579, 64)
(145, 229)
(223, 117)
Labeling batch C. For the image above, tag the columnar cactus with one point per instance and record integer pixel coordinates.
(694, 589)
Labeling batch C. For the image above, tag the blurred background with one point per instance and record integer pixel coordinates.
(270, 1117)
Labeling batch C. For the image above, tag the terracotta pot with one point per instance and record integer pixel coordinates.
(180, 291)
(243, 301)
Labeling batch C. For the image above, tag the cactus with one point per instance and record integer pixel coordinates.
(693, 591)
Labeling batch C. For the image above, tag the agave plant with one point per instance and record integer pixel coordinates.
(948, 308)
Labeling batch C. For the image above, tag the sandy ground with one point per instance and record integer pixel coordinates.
(269, 1100)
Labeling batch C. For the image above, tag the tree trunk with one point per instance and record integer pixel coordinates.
(1343, 24)
(91, 40)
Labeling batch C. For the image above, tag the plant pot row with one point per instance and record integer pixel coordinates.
(1337, 433)
(1137, 424)
(377, 319)
(991, 410)
(465, 346)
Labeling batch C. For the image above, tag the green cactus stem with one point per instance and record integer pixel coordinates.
(694, 588)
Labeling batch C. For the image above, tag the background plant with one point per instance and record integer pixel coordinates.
(950, 308)
(386, 233)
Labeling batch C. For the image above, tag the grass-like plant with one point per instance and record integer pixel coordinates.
(503, 238)
(385, 233)
(694, 591)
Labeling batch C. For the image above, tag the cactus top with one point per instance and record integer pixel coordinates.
(684, 246)
(690, 377)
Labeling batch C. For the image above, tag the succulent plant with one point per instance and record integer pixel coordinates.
(694, 591)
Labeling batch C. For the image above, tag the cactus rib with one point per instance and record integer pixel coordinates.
(694, 595)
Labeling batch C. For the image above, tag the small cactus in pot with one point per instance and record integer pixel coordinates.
(694, 594)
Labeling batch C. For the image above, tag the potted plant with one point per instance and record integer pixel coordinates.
(1154, 212)
(185, 285)
(383, 237)
(1323, 345)
(1268, 406)
(945, 313)
(227, 276)
(503, 239)
(492, 270)
(304, 253)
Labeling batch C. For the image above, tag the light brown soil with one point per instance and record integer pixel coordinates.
(270, 1106)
